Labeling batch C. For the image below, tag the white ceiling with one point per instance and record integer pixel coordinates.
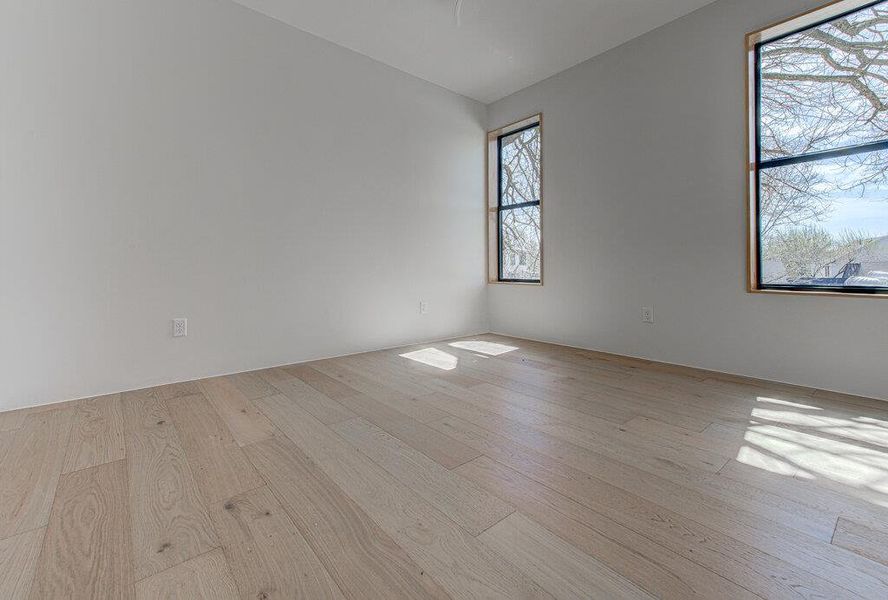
(500, 47)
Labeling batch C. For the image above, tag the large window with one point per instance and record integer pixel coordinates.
(819, 151)
(515, 203)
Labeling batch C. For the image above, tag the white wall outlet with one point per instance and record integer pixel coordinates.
(647, 314)
(423, 307)
(180, 327)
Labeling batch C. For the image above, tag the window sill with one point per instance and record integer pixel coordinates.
(527, 283)
(818, 293)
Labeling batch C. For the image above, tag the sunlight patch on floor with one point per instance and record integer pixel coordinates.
(753, 457)
(812, 443)
(433, 358)
(786, 403)
(490, 348)
(805, 455)
(853, 429)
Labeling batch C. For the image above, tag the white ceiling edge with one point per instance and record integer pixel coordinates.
(499, 47)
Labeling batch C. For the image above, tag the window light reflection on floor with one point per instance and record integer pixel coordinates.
(810, 443)
(433, 358)
(491, 348)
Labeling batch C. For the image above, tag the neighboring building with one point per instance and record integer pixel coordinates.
(871, 263)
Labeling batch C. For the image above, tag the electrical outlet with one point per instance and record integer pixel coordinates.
(423, 307)
(647, 315)
(180, 327)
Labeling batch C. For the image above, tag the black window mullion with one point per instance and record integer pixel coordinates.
(504, 207)
(784, 161)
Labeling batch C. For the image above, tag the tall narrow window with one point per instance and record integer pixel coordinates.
(819, 151)
(516, 214)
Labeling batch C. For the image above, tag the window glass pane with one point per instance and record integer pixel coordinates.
(520, 241)
(827, 87)
(825, 223)
(521, 167)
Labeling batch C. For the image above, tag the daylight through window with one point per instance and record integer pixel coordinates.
(518, 205)
(820, 194)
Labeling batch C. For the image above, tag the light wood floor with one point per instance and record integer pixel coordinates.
(485, 467)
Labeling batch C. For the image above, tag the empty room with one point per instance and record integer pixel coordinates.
(403, 299)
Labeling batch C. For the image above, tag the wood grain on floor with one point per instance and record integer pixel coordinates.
(170, 523)
(32, 459)
(18, 561)
(96, 434)
(87, 549)
(481, 467)
(269, 557)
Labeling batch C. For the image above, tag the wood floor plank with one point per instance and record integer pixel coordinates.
(252, 385)
(446, 451)
(365, 366)
(268, 556)
(170, 523)
(774, 460)
(395, 359)
(171, 390)
(556, 437)
(792, 511)
(809, 493)
(587, 431)
(866, 539)
(87, 552)
(671, 478)
(562, 405)
(561, 569)
(399, 367)
(14, 419)
(601, 399)
(96, 434)
(867, 433)
(246, 423)
(660, 571)
(363, 560)
(18, 562)
(719, 509)
(597, 400)
(461, 500)
(843, 401)
(407, 365)
(273, 374)
(205, 577)
(31, 461)
(690, 484)
(642, 425)
(462, 565)
(324, 409)
(766, 575)
(323, 383)
(220, 466)
(845, 462)
(414, 407)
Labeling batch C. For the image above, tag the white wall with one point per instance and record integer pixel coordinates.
(166, 158)
(645, 205)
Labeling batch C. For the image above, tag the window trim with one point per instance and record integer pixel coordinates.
(494, 192)
(754, 40)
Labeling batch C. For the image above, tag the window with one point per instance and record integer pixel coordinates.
(818, 173)
(515, 203)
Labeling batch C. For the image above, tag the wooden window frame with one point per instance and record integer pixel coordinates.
(805, 20)
(492, 200)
